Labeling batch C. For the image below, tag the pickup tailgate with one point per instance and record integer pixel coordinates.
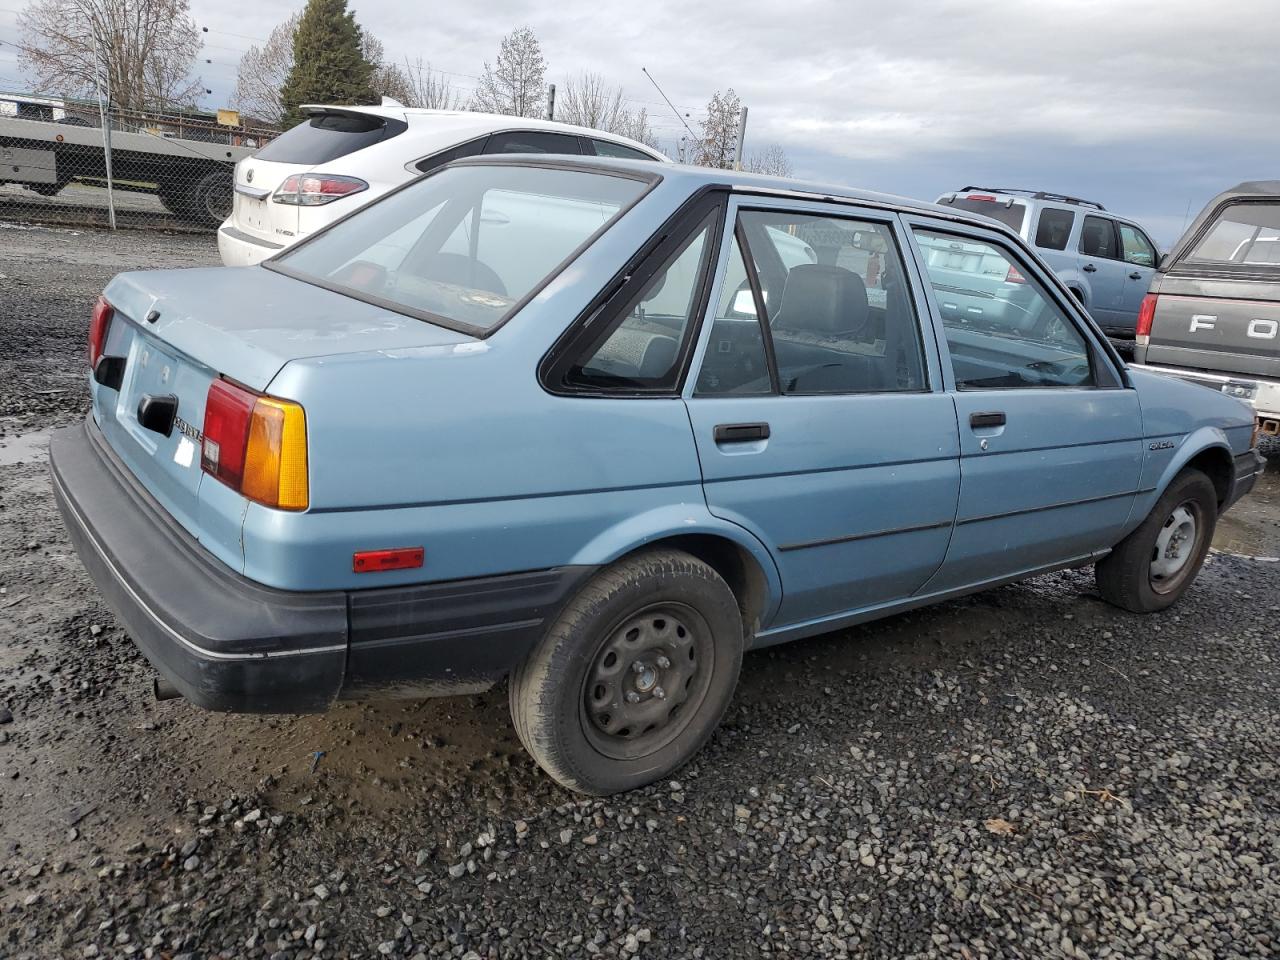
(243, 324)
(1216, 325)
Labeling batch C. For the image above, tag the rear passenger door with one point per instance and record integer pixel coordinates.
(817, 407)
(1050, 438)
(1100, 262)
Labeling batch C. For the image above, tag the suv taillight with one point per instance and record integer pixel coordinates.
(315, 189)
(98, 324)
(1013, 276)
(1146, 316)
(256, 445)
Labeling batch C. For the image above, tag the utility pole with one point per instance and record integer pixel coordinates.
(742, 136)
(551, 101)
(104, 115)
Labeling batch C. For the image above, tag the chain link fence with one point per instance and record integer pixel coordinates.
(60, 164)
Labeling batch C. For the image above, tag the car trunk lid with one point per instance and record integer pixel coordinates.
(179, 330)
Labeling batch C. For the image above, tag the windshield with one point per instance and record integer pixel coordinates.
(1243, 233)
(997, 208)
(464, 246)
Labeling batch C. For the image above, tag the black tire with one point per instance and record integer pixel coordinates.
(662, 609)
(175, 201)
(1152, 568)
(205, 201)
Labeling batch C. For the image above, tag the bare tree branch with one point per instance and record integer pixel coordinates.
(515, 85)
(772, 160)
(147, 48)
(262, 72)
(719, 131)
(428, 88)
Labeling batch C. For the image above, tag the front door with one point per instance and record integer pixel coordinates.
(817, 408)
(1050, 439)
(1139, 265)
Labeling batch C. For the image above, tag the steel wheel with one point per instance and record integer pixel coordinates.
(1176, 544)
(647, 680)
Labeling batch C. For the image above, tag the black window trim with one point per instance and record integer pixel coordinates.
(1106, 375)
(887, 220)
(651, 179)
(1115, 238)
(1047, 208)
(415, 166)
(615, 296)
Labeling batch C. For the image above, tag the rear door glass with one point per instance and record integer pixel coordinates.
(469, 149)
(1054, 228)
(532, 141)
(1098, 238)
(1244, 233)
(329, 136)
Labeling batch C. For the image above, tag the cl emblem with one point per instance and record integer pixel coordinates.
(248, 176)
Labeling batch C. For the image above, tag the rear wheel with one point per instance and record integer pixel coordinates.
(633, 677)
(210, 198)
(1152, 568)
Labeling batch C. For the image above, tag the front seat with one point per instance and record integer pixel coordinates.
(824, 309)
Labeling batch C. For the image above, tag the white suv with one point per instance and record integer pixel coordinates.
(343, 157)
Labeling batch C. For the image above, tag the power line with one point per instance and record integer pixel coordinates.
(645, 70)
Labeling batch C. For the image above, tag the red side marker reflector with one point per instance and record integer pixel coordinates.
(372, 561)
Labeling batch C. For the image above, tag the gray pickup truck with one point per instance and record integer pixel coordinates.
(1212, 314)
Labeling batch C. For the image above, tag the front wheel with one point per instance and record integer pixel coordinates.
(1152, 568)
(633, 677)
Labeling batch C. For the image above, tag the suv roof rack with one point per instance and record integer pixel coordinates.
(1039, 195)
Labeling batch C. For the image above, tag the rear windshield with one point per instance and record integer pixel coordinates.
(1008, 213)
(329, 136)
(1244, 233)
(463, 246)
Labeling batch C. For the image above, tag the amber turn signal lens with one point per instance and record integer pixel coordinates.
(275, 460)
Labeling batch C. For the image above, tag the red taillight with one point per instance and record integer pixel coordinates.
(227, 412)
(98, 323)
(1146, 316)
(371, 561)
(315, 189)
(1013, 276)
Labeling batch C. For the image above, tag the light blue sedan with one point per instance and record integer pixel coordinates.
(598, 427)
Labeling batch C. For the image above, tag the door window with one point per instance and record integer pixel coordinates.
(1003, 329)
(1137, 248)
(604, 148)
(532, 141)
(1098, 238)
(642, 349)
(1244, 233)
(1053, 229)
(837, 311)
(469, 149)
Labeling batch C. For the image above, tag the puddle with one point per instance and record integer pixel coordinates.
(1252, 527)
(24, 448)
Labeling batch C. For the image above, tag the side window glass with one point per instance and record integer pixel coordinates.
(532, 141)
(1053, 228)
(1098, 238)
(604, 148)
(735, 362)
(1243, 233)
(839, 313)
(1137, 248)
(471, 149)
(1002, 327)
(641, 350)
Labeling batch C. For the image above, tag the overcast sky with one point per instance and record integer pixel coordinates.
(1147, 107)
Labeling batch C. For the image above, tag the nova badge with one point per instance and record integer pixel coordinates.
(1163, 445)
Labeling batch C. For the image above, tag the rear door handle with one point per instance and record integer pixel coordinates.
(993, 418)
(741, 432)
(1089, 268)
(1136, 275)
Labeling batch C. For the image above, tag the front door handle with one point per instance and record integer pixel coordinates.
(741, 432)
(1089, 268)
(1136, 275)
(992, 418)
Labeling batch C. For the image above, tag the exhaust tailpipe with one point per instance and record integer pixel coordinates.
(164, 690)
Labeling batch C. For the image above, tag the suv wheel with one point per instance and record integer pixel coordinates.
(1152, 568)
(633, 677)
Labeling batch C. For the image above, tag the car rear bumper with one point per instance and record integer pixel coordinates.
(230, 644)
(1261, 393)
(240, 249)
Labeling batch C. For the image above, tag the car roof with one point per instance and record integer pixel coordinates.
(463, 125)
(694, 178)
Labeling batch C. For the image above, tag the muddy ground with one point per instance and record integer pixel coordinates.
(1025, 773)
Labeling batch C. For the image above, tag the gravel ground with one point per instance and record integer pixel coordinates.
(1025, 773)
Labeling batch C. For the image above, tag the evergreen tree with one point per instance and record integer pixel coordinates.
(329, 64)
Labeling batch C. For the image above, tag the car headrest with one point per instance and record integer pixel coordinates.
(823, 299)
